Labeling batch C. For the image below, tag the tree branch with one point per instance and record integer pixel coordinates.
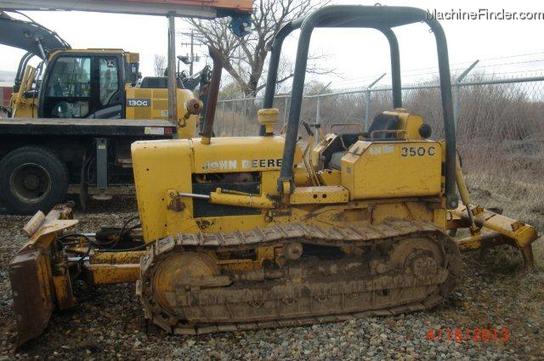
(268, 18)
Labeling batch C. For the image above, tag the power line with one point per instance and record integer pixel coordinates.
(514, 56)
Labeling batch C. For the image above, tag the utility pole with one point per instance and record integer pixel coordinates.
(192, 52)
(194, 40)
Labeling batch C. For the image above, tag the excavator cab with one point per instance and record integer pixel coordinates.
(86, 84)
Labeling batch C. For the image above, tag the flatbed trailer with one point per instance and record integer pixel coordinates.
(40, 158)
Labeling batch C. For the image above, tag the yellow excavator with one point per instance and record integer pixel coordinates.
(238, 233)
(99, 84)
(103, 83)
(73, 117)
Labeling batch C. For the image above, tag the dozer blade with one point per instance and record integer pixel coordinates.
(31, 274)
(495, 229)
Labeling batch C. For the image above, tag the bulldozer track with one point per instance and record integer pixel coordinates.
(308, 290)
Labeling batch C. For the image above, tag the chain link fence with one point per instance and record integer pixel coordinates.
(500, 128)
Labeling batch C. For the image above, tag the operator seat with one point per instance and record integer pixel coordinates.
(337, 148)
(380, 125)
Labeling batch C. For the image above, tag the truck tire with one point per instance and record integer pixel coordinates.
(32, 179)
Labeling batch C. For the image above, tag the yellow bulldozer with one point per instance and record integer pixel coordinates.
(238, 233)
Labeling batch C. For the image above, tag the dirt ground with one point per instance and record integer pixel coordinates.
(494, 295)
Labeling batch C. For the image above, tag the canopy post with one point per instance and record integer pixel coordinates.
(172, 96)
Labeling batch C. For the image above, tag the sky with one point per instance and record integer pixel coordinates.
(358, 56)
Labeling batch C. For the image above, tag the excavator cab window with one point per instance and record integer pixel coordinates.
(68, 92)
(83, 86)
(109, 81)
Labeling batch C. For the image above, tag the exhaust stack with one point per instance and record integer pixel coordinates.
(213, 93)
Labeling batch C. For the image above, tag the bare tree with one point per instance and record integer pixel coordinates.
(244, 59)
(159, 65)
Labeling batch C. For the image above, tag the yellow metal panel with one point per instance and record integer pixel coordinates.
(408, 122)
(240, 154)
(118, 257)
(412, 125)
(330, 177)
(23, 107)
(217, 224)
(440, 217)
(166, 166)
(114, 273)
(269, 182)
(148, 103)
(402, 210)
(156, 98)
(302, 178)
(63, 291)
(186, 127)
(319, 195)
(160, 166)
(393, 169)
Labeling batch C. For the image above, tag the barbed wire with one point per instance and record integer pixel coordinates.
(430, 72)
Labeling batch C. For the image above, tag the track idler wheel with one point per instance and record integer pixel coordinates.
(419, 256)
(424, 257)
(173, 276)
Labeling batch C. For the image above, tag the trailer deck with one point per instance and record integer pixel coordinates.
(87, 127)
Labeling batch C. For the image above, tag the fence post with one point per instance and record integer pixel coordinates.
(234, 108)
(367, 92)
(367, 109)
(286, 100)
(317, 111)
(223, 117)
(457, 85)
(242, 115)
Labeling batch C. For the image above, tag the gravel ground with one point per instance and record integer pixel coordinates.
(110, 325)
